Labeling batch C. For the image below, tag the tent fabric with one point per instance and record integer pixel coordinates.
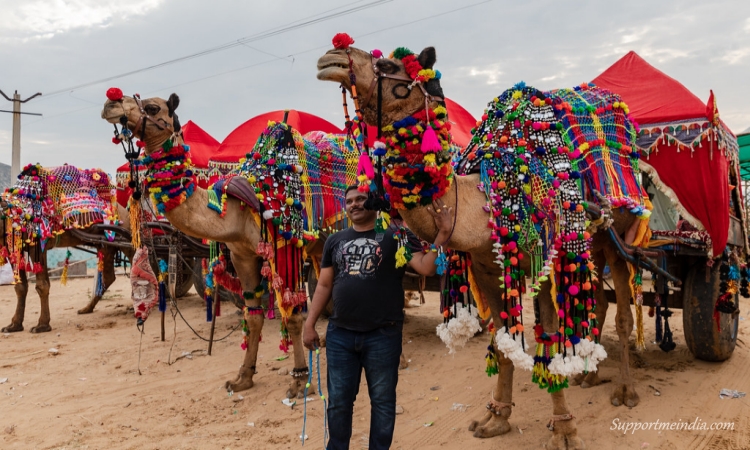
(651, 95)
(743, 139)
(697, 171)
(240, 141)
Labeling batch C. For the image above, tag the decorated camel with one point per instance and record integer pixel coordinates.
(259, 212)
(39, 212)
(519, 212)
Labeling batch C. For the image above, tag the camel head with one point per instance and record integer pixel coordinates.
(153, 121)
(398, 99)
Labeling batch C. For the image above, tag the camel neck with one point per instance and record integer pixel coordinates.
(418, 158)
(169, 179)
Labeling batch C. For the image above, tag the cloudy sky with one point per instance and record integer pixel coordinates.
(63, 47)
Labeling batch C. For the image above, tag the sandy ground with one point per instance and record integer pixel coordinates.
(90, 395)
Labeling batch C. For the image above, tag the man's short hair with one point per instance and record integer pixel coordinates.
(350, 188)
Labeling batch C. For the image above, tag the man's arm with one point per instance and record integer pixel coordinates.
(322, 293)
(424, 263)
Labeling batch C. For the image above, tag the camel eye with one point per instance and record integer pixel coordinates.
(387, 66)
(152, 110)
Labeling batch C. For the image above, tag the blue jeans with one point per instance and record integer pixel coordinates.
(348, 352)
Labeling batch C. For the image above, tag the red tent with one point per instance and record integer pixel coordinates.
(684, 146)
(240, 141)
(202, 147)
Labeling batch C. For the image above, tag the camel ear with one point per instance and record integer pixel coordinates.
(427, 58)
(173, 103)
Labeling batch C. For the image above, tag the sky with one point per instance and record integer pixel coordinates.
(268, 62)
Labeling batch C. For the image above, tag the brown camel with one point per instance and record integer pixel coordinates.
(472, 235)
(42, 283)
(237, 228)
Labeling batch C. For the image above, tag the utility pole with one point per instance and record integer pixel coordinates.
(15, 166)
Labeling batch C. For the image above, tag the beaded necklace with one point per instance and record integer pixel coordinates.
(169, 179)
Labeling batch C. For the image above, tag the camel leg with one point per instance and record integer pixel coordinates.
(108, 277)
(301, 371)
(562, 423)
(22, 289)
(42, 288)
(624, 392)
(495, 423)
(249, 274)
(587, 380)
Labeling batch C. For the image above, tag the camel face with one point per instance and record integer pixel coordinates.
(398, 99)
(158, 116)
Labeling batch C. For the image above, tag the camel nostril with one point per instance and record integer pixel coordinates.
(124, 120)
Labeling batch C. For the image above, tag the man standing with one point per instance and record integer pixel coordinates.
(365, 329)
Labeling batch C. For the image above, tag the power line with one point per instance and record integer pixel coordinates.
(275, 57)
(312, 20)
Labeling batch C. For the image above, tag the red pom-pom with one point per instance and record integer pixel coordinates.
(140, 144)
(342, 41)
(115, 141)
(114, 94)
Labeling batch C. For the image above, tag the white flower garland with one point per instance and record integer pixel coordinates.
(513, 349)
(459, 329)
(588, 355)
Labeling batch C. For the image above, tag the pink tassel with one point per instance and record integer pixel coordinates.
(286, 301)
(277, 282)
(365, 165)
(37, 267)
(301, 297)
(265, 271)
(430, 141)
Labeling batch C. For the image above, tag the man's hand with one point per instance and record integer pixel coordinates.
(443, 220)
(310, 337)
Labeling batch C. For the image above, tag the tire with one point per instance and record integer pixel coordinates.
(312, 283)
(186, 276)
(702, 336)
(200, 287)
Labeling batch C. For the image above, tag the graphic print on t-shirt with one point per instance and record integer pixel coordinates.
(360, 257)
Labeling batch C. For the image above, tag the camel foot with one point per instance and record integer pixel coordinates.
(403, 363)
(297, 388)
(41, 329)
(625, 394)
(243, 381)
(13, 328)
(587, 380)
(569, 441)
(490, 425)
(87, 310)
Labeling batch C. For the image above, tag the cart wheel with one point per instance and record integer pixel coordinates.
(702, 336)
(312, 282)
(186, 276)
(200, 286)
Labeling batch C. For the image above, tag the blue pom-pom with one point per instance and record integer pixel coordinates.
(520, 85)
(574, 339)
(379, 152)
(163, 267)
(188, 173)
(186, 147)
(575, 175)
(541, 151)
(438, 75)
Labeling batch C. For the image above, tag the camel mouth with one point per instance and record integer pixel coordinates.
(113, 112)
(332, 67)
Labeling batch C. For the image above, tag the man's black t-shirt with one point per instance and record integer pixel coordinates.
(367, 286)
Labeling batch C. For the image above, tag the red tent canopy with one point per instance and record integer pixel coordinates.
(202, 146)
(243, 138)
(679, 143)
(461, 124)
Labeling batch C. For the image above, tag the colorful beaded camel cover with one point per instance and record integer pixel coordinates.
(542, 156)
(46, 201)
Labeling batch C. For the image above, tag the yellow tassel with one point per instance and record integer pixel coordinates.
(401, 257)
(482, 306)
(64, 276)
(135, 223)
